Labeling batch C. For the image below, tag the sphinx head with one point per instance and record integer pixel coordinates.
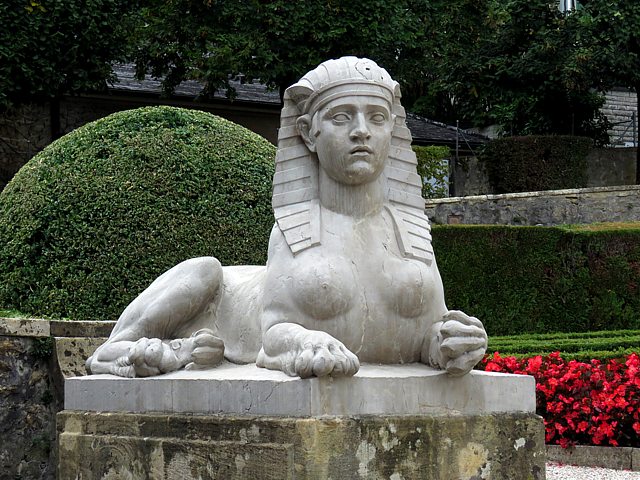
(346, 117)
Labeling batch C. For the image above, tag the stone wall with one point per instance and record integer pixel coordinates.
(608, 167)
(553, 207)
(469, 178)
(35, 357)
(28, 129)
(28, 403)
(167, 446)
(22, 134)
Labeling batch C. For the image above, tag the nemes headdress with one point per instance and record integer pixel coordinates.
(295, 183)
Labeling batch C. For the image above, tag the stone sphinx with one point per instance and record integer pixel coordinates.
(351, 276)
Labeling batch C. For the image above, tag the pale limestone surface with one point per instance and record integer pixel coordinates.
(351, 275)
(551, 207)
(24, 327)
(243, 389)
(619, 458)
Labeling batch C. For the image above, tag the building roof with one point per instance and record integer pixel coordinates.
(423, 130)
(250, 92)
(429, 132)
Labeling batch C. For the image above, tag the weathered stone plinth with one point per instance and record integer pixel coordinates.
(480, 426)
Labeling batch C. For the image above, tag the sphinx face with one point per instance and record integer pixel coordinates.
(351, 136)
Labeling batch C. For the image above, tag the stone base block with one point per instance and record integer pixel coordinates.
(159, 446)
(243, 422)
(247, 389)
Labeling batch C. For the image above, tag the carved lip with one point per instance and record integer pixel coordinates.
(361, 149)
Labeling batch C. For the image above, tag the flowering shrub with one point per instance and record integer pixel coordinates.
(595, 403)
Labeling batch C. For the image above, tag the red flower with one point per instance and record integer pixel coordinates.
(534, 364)
(585, 403)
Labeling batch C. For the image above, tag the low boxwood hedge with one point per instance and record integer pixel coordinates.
(582, 346)
(90, 221)
(542, 279)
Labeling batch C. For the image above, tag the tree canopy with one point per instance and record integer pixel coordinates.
(53, 47)
(276, 41)
(611, 30)
(524, 71)
(520, 64)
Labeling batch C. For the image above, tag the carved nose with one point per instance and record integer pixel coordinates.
(360, 130)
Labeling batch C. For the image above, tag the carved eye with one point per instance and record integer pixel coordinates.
(378, 118)
(341, 117)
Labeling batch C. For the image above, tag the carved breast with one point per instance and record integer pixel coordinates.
(325, 288)
(404, 281)
(380, 283)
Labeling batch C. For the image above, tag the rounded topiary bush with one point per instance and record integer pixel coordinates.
(91, 220)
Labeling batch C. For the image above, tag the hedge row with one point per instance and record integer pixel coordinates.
(90, 221)
(536, 162)
(601, 345)
(581, 355)
(542, 279)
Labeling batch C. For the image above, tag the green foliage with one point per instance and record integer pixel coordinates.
(41, 442)
(542, 279)
(42, 348)
(11, 313)
(431, 166)
(90, 221)
(611, 39)
(276, 41)
(518, 64)
(49, 48)
(535, 163)
(46, 399)
(611, 45)
(578, 346)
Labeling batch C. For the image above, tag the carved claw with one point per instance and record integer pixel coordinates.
(127, 371)
(208, 350)
(457, 343)
(323, 355)
(152, 356)
(145, 357)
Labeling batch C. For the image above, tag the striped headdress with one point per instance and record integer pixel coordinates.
(295, 183)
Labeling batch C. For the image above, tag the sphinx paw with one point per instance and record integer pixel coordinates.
(207, 350)
(127, 371)
(322, 355)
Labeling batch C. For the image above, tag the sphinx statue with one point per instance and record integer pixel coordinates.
(351, 274)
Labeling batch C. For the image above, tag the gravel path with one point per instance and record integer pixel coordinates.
(568, 472)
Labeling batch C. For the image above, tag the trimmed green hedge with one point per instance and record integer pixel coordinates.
(578, 346)
(90, 221)
(536, 162)
(542, 279)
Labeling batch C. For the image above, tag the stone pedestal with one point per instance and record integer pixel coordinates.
(240, 422)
